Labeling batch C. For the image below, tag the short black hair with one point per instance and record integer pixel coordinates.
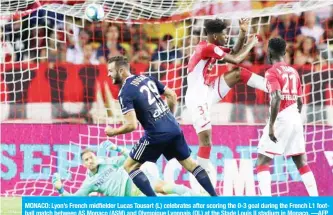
(167, 37)
(119, 61)
(277, 45)
(214, 26)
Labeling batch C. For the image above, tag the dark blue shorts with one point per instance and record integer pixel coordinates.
(174, 148)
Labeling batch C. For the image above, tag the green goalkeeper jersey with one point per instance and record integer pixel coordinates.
(110, 179)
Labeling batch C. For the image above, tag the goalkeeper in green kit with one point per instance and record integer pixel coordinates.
(108, 177)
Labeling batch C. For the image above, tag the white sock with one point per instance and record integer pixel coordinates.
(265, 180)
(258, 82)
(309, 180)
(204, 163)
(210, 169)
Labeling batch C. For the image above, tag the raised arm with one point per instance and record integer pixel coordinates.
(213, 51)
(243, 26)
(241, 55)
(116, 161)
(113, 147)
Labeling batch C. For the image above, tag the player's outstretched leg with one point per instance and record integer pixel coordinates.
(242, 75)
(132, 167)
(200, 174)
(264, 175)
(306, 174)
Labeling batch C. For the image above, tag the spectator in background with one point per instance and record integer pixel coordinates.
(75, 54)
(141, 53)
(287, 29)
(55, 52)
(310, 27)
(328, 36)
(135, 33)
(166, 51)
(324, 12)
(190, 43)
(307, 52)
(37, 41)
(6, 49)
(18, 32)
(111, 47)
(95, 30)
(70, 29)
(329, 28)
(88, 55)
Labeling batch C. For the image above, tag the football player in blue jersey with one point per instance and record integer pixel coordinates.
(140, 99)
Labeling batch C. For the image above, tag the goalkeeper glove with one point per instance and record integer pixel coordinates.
(56, 181)
(111, 146)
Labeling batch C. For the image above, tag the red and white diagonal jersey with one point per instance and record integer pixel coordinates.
(203, 59)
(286, 79)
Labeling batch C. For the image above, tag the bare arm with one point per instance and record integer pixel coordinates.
(240, 42)
(129, 125)
(275, 106)
(241, 55)
(299, 104)
(171, 98)
(243, 26)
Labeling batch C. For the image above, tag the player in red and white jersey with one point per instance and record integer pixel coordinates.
(283, 135)
(205, 89)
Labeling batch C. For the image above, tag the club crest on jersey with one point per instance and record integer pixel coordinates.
(210, 67)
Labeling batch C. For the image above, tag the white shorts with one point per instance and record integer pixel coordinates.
(199, 99)
(288, 130)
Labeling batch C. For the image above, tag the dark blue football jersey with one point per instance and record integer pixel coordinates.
(143, 95)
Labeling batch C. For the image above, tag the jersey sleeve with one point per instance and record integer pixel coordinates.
(159, 85)
(213, 51)
(272, 82)
(225, 49)
(126, 102)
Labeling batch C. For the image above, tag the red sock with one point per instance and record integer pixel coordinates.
(204, 152)
(304, 169)
(262, 168)
(245, 75)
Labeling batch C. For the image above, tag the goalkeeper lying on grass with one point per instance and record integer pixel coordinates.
(108, 177)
